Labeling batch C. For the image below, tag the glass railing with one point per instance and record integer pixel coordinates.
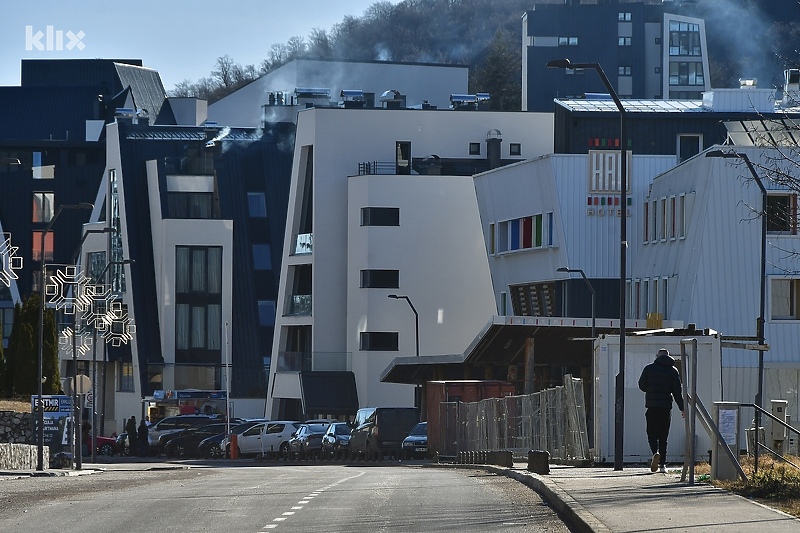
(316, 361)
(299, 305)
(304, 244)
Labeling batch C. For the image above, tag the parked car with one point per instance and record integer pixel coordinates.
(105, 445)
(248, 441)
(173, 424)
(276, 435)
(306, 442)
(336, 441)
(214, 448)
(379, 431)
(186, 442)
(416, 444)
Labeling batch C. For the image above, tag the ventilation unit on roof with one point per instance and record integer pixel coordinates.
(392, 99)
(352, 98)
(463, 102)
(791, 87)
(313, 96)
(748, 83)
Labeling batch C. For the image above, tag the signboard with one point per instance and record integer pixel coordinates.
(57, 421)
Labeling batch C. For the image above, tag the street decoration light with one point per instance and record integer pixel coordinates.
(588, 284)
(9, 260)
(760, 334)
(619, 410)
(42, 283)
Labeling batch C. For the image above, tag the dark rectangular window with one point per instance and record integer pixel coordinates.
(262, 258)
(256, 205)
(688, 146)
(198, 304)
(515, 149)
(782, 213)
(266, 313)
(190, 205)
(380, 279)
(380, 216)
(474, 148)
(378, 341)
(625, 41)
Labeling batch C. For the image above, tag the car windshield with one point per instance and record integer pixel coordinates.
(244, 426)
(420, 429)
(342, 429)
(213, 429)
(317, 428)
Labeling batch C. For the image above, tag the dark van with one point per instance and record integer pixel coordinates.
(379, 431)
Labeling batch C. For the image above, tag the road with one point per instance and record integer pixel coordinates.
(256, 499)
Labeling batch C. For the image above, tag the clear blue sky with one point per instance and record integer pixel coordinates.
(180, 38)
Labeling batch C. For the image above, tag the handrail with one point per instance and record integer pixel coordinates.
(779, 421)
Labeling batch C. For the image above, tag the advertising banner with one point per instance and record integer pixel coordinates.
(57, 421)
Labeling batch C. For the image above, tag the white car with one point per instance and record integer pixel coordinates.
(248, 441)
(276, 434)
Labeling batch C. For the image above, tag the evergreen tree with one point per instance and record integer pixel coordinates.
(499, 73)
(3, 393)
(11, 353)
(23, 362)
(26, 367)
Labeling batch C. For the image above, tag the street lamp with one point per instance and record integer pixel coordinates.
(762, 281)
(78, 423)
(40, 439)
(619, 411)
(588, 284)
(416, 315)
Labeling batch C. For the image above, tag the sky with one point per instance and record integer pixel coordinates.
(180, 38)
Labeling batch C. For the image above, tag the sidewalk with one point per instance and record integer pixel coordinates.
(634, 499)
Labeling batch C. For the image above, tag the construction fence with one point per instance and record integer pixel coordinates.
(552, 420)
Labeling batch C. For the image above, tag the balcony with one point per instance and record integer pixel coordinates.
(315, 361)
(299, 305)
(377, 167)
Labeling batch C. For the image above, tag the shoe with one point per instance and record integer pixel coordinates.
(662, 470)
(655, 461)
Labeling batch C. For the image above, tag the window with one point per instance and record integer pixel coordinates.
(42, 207)
(262, 258)
(653, 221)
(256, 205)
(646, 222)
(567, 41)
(378, 341)
(380, 216)
(624, 17)
(624, 70)
(524, 233)
(680, 216)
(126, 377)
(689, 146)
(662, 220)
(685, 73)
(492, 237)
(782, 213)
(673, 211)
(198, 304)
(474, 148)
(515, 149)
(624, 41)
(37, 246)
(380, 279)
(190, 205)
(785, 298)
(684, 39)
(266, 312)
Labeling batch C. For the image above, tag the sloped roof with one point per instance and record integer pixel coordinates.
(146, 87)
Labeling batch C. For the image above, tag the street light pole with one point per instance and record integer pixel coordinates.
(619, 399)
(416, 315)
(79, 422)
(760, 334)
(42, 281)
(588, 284)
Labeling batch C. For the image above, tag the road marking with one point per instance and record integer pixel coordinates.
(307, 499)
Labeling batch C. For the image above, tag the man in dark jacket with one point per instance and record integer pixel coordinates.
(661, 382)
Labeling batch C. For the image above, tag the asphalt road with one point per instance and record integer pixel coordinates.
(255, 499)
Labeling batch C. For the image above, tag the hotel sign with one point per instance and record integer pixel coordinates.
(604, 183)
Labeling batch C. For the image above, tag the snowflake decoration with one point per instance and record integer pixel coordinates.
(57, 290)
(83, 342)
(9, 261)
(97, 300)
(119, 326)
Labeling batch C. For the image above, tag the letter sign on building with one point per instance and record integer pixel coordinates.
(604, 183)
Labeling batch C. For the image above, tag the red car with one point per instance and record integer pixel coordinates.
(105, 445)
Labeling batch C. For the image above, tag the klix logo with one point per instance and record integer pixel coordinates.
(53, 39)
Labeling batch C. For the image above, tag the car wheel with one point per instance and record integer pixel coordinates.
(215, 452)
(107, 449)
(180, 451)
(284, 450)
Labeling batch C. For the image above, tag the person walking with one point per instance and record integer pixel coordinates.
(130, 429)
(661, 383)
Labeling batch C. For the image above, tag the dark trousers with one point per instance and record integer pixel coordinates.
(658, 419)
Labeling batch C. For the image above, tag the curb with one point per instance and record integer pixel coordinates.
(572, 512)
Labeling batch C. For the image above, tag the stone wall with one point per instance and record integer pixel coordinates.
(16, 428)
(17, 451)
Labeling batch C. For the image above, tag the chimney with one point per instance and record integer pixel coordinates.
(494, 143)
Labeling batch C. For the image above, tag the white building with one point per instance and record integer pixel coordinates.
(382, 202)
(417, 82)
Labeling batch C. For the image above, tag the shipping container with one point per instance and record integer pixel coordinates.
(640, 350)
(468, 390)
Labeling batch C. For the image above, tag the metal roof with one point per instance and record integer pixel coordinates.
(634, 106)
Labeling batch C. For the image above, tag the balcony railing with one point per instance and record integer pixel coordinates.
(377, 167)
(304, 244)
(299, 305)
(316, 361)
